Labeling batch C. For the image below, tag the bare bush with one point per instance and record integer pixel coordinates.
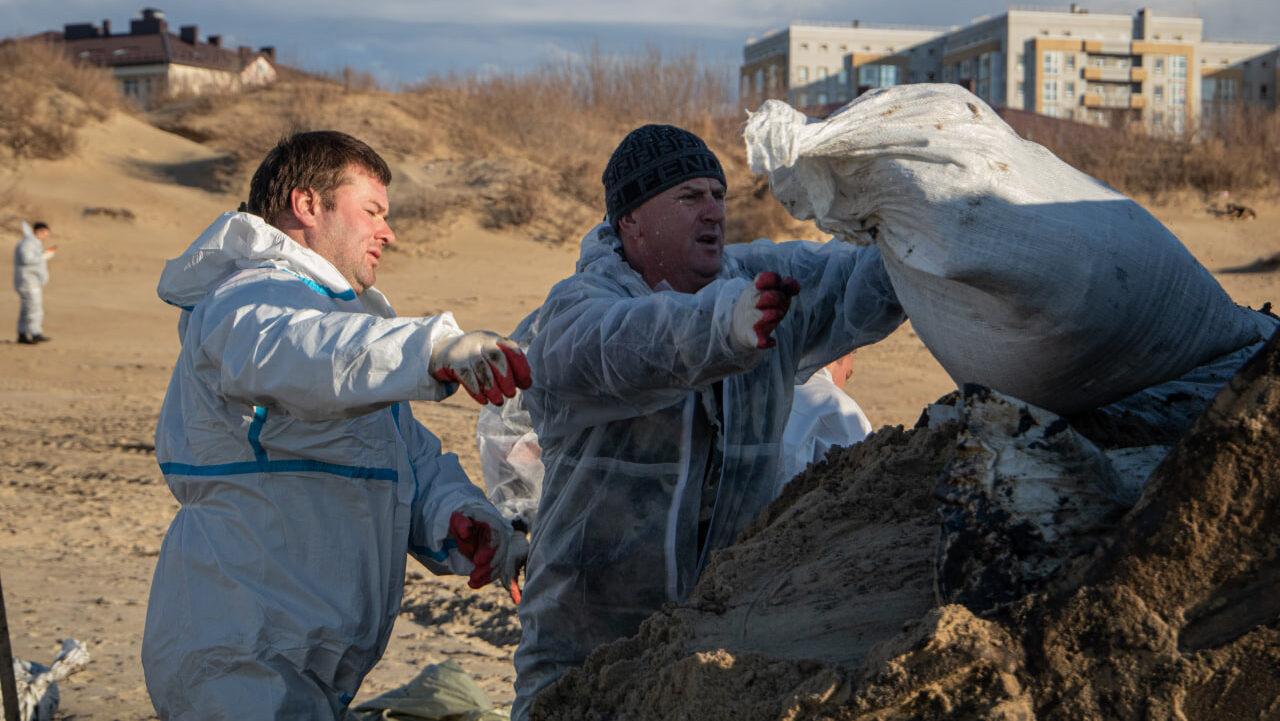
(1239, 151)
(46, 97)
(568, 115)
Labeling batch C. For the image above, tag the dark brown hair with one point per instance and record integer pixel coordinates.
(318, 160)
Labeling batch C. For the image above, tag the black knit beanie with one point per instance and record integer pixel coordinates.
(651, 159)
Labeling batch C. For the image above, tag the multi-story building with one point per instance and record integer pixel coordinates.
(151, 63)
(817, 65)
(1100, 68)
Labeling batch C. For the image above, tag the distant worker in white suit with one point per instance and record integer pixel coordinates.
(287, 437)
(30, 275)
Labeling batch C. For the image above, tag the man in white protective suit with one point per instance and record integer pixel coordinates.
(287, 437)
(30, 275)
(664, 370)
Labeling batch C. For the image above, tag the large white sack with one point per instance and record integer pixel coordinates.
(1018, 272)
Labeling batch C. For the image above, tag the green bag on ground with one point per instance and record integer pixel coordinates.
(442, 692)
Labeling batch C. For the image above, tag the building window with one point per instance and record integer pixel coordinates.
(868, 75)
(1050, 90)
(1178, 93)
(966, 69)
(1158, 91)
(1069, 92)
(1159, 66)
(1178, 66)
(802, 74)
(822, 73)
(822, 98)
(843, 77)
(759, 81)
(949, 74)
(773, 77)
(1051, 62)
(1071, 62)
(823, 47)
(804, 46)
(1157, 119)
(802, 99)
(984, 64)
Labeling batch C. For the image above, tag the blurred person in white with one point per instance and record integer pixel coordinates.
(287, 437)
(822, 417)
(664, 370)
(30, 276)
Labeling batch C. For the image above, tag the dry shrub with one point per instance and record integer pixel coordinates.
(568, 116)
(1239, 151)
(46, 97)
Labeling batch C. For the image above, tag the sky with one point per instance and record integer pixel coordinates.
(403, 41)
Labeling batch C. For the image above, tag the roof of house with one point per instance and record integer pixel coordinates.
(115, 50)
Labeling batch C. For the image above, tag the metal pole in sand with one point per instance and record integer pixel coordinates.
(8, 686)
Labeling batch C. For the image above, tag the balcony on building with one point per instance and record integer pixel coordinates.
(1114, 74)
(1112, 100)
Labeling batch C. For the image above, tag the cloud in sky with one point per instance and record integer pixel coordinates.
(404, 40)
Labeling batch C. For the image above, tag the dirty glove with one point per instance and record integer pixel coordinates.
(486, 364)
(760, 309)
(492, 546)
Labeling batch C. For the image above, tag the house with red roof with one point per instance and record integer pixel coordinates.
(150, 63)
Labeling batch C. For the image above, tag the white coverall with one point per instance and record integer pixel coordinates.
(822, 416)
(30, 275)
(304, 480)
(657, 428)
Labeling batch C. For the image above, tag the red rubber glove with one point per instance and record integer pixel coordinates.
(486, 364)
(491, 549)
(761, 308)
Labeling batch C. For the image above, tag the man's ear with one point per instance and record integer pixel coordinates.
(305, 204)
(627, 226)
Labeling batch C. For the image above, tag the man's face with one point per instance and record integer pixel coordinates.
(353, 234)
(42, 235)
(677, 235)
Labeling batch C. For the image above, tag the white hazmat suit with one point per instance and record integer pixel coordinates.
(822, 416)
(30, 275)
(658, 428)
(303, 479)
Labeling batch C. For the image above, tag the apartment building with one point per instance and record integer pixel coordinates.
(1095, 67)
(825, 65)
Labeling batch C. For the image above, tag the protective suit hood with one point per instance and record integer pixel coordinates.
(237, 241)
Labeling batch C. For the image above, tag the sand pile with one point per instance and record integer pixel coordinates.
(826, 607)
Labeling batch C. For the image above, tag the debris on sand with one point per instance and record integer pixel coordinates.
(37, 685)
(825, 609)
